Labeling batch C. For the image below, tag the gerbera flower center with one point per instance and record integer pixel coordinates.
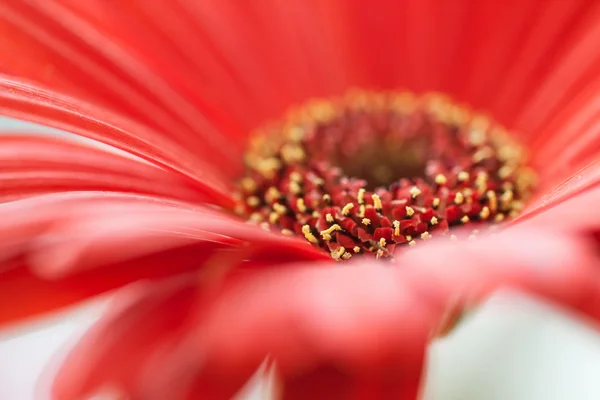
(369, 172)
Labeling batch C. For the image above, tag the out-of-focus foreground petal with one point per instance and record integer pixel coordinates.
(62, 248)
(32, 165)
(332, 332)
(26, 101)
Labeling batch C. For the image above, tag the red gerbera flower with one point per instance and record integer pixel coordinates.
(175, 90)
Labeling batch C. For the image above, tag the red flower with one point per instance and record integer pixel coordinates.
(175, 89)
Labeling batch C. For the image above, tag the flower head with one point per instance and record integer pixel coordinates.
(224, 226)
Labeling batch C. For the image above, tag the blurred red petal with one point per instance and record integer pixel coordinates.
(21, 100)
(364, 324)
(76, 55)
(58, 249)
(32, 165)
(579, 183)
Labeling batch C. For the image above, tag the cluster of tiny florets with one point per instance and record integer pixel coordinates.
(337, 173)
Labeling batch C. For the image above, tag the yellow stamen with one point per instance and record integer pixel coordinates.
(308, 234)
(377, 202)
(485, 213)
(366, 221)
(279, 208)
(253, 201)
(414, 192)
(347, 208)
(331, 229)
(459, 198)
(361, 196)
(301, 206)
(462, 176)
(396, 225)
(410, 211)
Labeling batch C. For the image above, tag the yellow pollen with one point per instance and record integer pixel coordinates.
(506, 198)
(379, 254)
(377, 202)
(326, 237)
(425, 235)
(337, 254)
(361, 196)
(268, 167)
(347, 208)
(436, 202)
(256, 217)
(459, 198)
(499, 217)
(331, 229)
(361, 211)
(414, 191)
(265, 226)
(273, 218)
(410, 211)
(292, 153)
(316, 214)
(308, 234)
(382, 242)
(295, 187)
(408, 238)
(248, 184)
(287, 232)
(327, 198)
(317, 181)
(301, 206)
(462, 176)
(482, 154)
(279, 208)
(412, 243)
(485, 213)
(396, 225)
(253, 201)
(296, 177)
(366, 221)
(440, 179)
(433, 220)
(356, 249)
(464, 219)
(491, 195)
(505, 171)
(329, 218)
(346, 256)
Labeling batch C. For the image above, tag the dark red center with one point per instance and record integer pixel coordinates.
(370, 172)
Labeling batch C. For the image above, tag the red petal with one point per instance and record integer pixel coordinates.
(24, 101)
(364, 325)
(89, 64)
(579, 182)
(35, 165)
(58, 249)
